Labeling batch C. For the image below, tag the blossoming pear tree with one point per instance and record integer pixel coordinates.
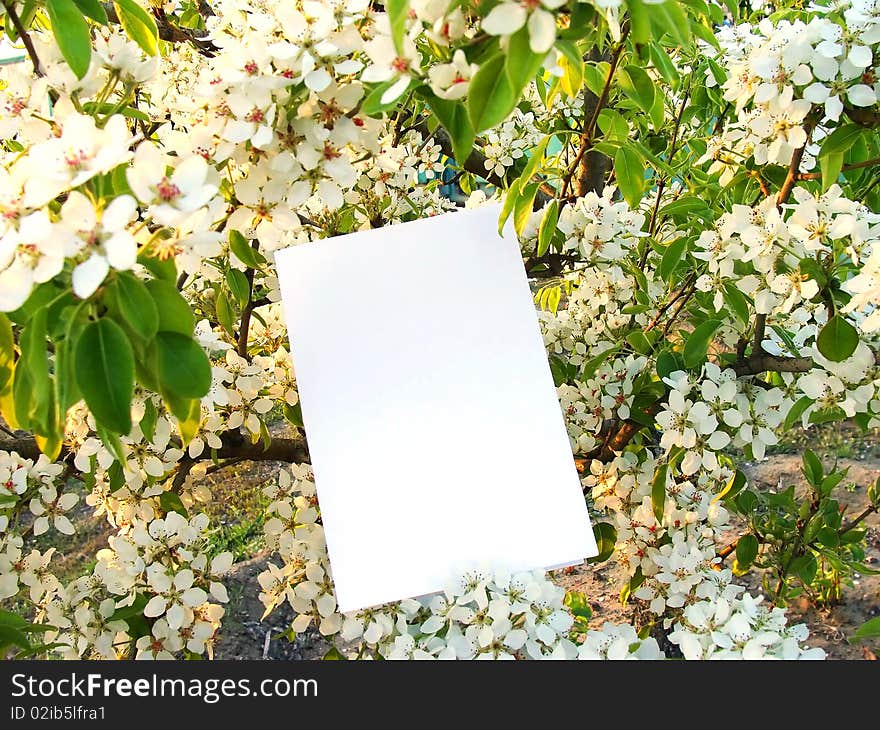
(695, 185)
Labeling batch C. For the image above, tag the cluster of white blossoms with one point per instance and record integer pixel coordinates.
(775, 242)
(786, 77)
(726, 623)
(160, 563)
(485, 614)
(607, 395)
(600, 227)
(618, 642)
(33, 482)
(480, 615)
(157, 560)
(510, 141)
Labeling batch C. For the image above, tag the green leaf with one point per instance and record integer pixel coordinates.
(223, 307)
(524, 207)
(796, 411)
(112, 442)
(658, 491)
(491, 97)
(595, 76)
(71, 31)
(640, 21)
(657, 112)
(637, 85)
(838, 339)
(171, 502)
(397, 11)
(243, 250)
(105, 373)
(32, 389)
(868, 630)
(521, 64)
(701, 31)
(189, 424)
(630, 173)
(746, 550)
(805, 567)
(548, 227)
(239, 286)
(572, 64)
(668, 362)
(373, 105)
(454, 117)
(116, 475)
(175, 314)
(12, 636)
(149, 420)
(183, 367)
(639, 342)
(668, 17)
(333, 654)
(606, 539)
(120, 182)
(840, 140)
(66, 393)
(136, 305)
(7, 352)
(139, 25)
(830, 164)
(293, 413)
(93, 9)
(510, 198)
(812, 468)
(614, 127)
(663, 63)
(734, 486)
(671, 257)
(737, 301)
(828, 537)
(536, 157)
(136, 608)
(164, 269)
(697, 344)
(578, 605)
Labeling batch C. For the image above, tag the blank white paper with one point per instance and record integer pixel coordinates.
(434, 430)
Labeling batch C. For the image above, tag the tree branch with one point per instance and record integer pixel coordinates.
(591, 168)
(761, 362)
(235, 446)
(867, 512)
(794, 166)
(170, 32)
(863, 116)
(845, 168)
(25, 38)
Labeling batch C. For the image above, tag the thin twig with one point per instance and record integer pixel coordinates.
(845, 168)
(794, 165)
(867, 512)
(586, 139)
(25, 38)
(681, 292)
(661, 185)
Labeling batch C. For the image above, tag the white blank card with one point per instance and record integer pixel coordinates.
(434, 429)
